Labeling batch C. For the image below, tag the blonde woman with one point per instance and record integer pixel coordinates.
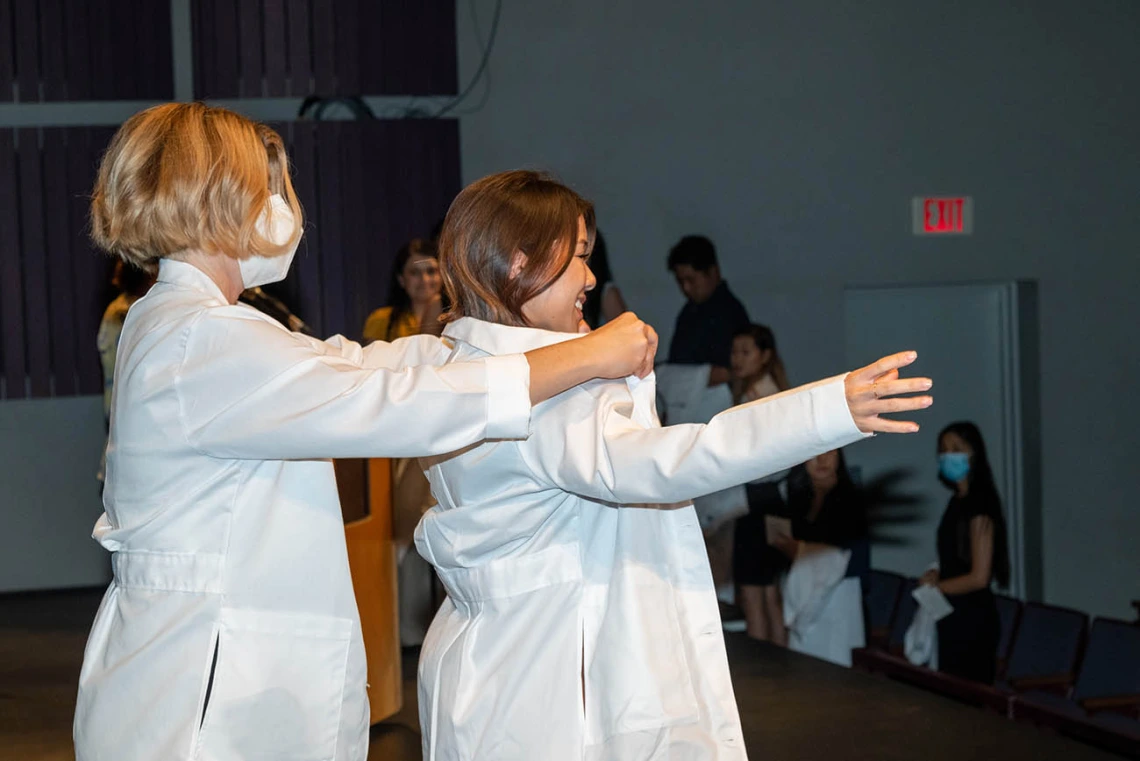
(230, 630)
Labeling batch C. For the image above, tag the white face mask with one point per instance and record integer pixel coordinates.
(276, 225)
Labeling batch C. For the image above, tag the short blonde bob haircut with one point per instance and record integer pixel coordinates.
(493, 219)
(187, 176)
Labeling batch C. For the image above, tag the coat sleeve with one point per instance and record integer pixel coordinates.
(247, 389)
(591, 444)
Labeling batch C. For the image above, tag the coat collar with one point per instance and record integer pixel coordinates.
(497, 340)
(186, 275)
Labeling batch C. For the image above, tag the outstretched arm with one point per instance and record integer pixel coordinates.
(600, 451)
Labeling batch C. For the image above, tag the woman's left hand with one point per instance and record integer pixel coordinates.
(874, 391)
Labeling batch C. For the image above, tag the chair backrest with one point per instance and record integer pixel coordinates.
(1048, 641)
(1111, 665)
(1009, 613)
(881, 595)
(904, 614)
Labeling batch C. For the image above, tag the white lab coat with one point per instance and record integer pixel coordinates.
(687, 397)
(823, 607)
(556, 570)
(225, 529)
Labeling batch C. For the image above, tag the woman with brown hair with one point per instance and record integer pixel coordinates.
(415, 296)
(581, 621)
(230, 629)
(758, 372)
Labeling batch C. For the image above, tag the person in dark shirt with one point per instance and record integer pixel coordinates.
(712, 316)
(972, 552)
(827, 511)
(825, 507)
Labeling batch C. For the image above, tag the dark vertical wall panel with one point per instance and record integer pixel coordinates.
(91, 268)
(382, 194)
(59, 50)
(324, 47)
(276, 48)
(249, 21)
(153, 50)
(124, 72)
(305, 280)
(53, 50)
(330, 47)
(77, 55)
(201, 24)
(26, 35)
(7, 62)
(300, 48)
(349, 61)
(225, 38)
(102, 56)
(61, 285)
(417, 53)
(331, 227)
(359, 219)
(32, 251)
(11, 274)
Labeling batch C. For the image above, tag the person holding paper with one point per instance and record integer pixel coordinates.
(827, 545)
(972, 553)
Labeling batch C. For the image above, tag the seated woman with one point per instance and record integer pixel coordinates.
(415, 302)
(581, 621)
(824, 599)
(415, 299)
(757, 566)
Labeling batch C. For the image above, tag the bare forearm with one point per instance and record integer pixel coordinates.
(554, 369)
(961, 585)
(719, 375)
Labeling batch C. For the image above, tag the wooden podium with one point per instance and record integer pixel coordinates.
(365, 488)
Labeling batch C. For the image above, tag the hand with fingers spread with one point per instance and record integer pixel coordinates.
(876, 390)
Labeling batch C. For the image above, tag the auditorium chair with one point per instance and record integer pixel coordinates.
(880, 601)
(1103, 707)
(1009, 612)
(1046, 649)
(893, 663)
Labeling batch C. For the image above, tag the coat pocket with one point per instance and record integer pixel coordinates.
(277, 688)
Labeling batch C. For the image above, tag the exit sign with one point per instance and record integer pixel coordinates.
(942, 215)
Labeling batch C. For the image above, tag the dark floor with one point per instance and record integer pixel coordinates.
(792, 707)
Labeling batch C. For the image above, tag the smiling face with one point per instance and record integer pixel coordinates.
(420, 278)
(559, 307)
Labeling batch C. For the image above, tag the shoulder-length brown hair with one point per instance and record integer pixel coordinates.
(490, 221)
(183, 176)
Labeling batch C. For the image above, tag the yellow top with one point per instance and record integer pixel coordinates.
(376, 326)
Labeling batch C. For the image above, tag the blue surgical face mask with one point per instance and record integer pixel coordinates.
(954, 466)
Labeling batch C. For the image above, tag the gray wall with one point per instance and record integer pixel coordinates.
(49, 499)
(794, 134)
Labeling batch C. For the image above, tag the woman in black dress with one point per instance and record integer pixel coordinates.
(972, 553)
(757, 565)
(827, 511)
